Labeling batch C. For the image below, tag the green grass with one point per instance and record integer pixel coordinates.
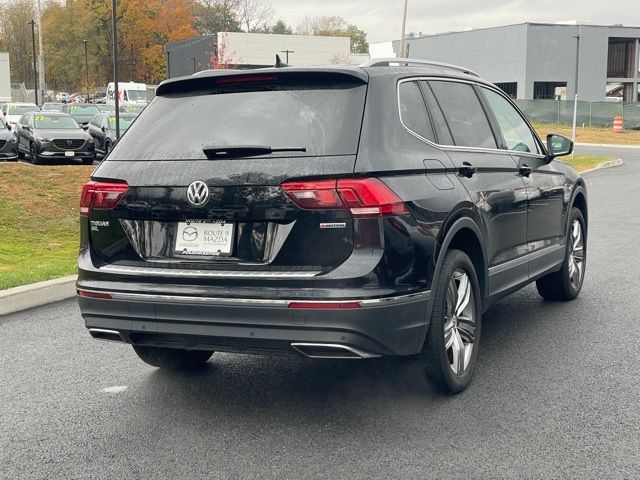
(39, 223)
(590, 134)
(584, 162)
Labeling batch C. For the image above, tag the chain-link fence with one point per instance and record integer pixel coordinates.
(589, 113)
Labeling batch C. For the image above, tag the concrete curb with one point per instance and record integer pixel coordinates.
(611, 163)
(28, 296)
(608, 145)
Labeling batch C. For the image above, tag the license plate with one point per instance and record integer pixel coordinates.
(69, 154)
(199, 237)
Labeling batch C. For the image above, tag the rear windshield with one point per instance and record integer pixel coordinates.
(324, 119)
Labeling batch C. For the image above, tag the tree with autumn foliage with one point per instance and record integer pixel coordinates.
(144, 27)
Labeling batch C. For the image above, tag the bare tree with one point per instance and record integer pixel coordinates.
(254, 15)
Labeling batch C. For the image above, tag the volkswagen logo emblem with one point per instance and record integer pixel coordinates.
(198, 194)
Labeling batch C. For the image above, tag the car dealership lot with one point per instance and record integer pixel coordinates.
(555, 394)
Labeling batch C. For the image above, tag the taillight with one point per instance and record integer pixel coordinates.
(363, 197)
(370, 197)
(101, 196)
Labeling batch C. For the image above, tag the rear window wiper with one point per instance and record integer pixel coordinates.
(245, 151)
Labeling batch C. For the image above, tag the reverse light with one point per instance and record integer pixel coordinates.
(101, 196)
(363, 197)
(324, 305)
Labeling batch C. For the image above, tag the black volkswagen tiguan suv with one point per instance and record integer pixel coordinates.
(338, 212)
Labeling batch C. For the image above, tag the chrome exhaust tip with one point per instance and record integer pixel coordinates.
(331, 351)
(109, 335)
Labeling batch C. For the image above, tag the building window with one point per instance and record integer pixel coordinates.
(510, 88)
(549, 90)
(621, 59)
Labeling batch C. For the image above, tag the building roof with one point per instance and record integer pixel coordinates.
(558, 24)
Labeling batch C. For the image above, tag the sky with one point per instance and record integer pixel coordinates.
(381, 19)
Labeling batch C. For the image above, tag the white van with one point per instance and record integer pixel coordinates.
(130, 93)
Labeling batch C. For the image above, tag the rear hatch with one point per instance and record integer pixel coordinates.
(198, 175)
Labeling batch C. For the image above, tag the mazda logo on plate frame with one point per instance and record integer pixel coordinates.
(198, 194)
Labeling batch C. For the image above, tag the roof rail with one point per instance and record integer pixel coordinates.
(407, 62)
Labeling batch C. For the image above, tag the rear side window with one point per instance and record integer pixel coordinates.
(325, 119)
(413, 111)
(464, 114)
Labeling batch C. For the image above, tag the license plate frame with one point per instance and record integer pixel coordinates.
(205, 238)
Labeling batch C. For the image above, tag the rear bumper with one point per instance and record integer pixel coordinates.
(380, 326)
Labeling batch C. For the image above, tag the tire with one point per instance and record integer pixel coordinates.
(20, 154)
(172, 358)
(34, 157)
(450, 356)
(107, 149)
(566, 283)
(88, 161)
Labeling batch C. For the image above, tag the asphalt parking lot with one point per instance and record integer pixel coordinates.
(556, 394)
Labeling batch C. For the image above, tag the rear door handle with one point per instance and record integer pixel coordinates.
(467, 169)
(525, 170)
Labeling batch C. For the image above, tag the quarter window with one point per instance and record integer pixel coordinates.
(464, 115)
(443, 135)
(516, 132)
(413, 110)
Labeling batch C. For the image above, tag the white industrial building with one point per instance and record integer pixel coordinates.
(256, 50)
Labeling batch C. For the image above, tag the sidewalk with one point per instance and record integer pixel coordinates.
(607, 145)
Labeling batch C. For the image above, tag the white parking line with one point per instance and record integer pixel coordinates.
(116, 389)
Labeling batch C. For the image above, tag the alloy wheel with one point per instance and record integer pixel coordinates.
(459, 322)
(576, 259)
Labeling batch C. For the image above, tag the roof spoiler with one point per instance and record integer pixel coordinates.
(206, 81)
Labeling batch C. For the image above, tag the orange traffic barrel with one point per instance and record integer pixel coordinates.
(618, 125)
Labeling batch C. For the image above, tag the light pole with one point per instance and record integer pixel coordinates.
(41, 72)
(86, 67)
(575, 100)
(114, 37)
(404, 24)
(287, 52)
(35, 71)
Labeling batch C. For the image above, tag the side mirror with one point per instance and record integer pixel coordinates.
(26, 127)
(104, 129)
(558, 146)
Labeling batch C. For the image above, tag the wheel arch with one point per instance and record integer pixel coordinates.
(463, 234)
(579, 200)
